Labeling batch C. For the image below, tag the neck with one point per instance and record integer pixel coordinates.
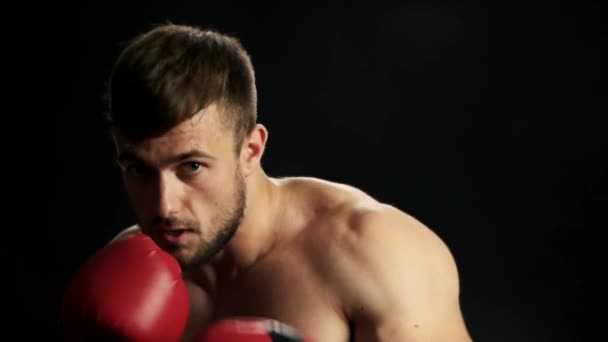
(258, 232)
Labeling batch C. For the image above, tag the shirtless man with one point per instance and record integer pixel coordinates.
(321, 257)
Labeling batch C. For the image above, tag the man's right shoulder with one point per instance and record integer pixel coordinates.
(129, 231)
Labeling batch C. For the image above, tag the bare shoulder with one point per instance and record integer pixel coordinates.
(357, 214)
(318, 187)
(361, 228)
(380, 239)
(371, 227)
(393, 276)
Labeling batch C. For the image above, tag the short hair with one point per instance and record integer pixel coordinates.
(169, 73)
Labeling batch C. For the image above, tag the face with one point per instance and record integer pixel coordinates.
(186, 187)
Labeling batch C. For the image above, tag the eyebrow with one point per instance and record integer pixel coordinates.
(129, 156)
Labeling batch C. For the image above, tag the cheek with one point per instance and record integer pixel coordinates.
(140, 197)
(136, 191)
(205, 203)
(223, 190)
(214, 197)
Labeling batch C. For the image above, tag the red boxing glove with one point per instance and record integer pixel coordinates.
(250, 330)
(130, 290)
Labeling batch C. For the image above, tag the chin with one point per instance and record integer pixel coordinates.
(187, 256)
(181, 252)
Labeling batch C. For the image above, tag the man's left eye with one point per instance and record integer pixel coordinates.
(191, 167)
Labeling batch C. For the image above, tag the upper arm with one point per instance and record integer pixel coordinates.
(399, 280)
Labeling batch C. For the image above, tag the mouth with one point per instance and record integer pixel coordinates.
(177, 231)
(175, 235)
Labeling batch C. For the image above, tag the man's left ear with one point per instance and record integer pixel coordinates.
(253, 149)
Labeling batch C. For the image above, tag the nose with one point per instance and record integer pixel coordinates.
(168, 198)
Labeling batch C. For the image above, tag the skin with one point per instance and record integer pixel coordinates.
(314, 254)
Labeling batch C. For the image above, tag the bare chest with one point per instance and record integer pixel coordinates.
(288, 290)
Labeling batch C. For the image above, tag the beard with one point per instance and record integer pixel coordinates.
(228, 222)
(225, 224)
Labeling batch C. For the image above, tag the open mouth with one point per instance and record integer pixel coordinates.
(176, 236)
(178, 232)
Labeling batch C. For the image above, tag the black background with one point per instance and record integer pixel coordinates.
(484, 122)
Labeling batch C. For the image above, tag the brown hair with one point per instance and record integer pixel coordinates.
(168, 74)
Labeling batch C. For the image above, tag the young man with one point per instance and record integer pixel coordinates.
(323, 258)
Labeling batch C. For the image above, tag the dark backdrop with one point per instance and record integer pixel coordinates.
(483, 122)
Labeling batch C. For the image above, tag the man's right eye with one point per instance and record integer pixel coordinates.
(135, 170)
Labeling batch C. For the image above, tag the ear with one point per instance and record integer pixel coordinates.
(253, 149)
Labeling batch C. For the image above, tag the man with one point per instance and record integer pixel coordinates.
(323, 258)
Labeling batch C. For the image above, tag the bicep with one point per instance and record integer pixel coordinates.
(407, 286)
(402, 329)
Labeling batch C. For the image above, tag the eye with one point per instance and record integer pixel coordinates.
(191, 168)
(136, 170)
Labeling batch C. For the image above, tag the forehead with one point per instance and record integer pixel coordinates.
(204, 130)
